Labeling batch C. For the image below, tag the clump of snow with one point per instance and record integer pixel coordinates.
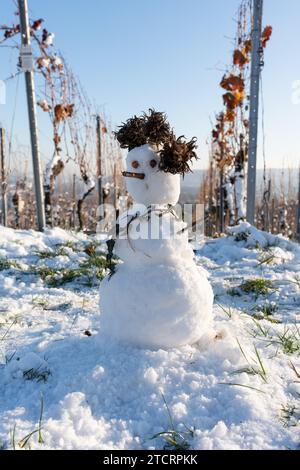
(48, 41)
(19, 366)
(57, 61)
(55, 160)
(89, 185)
(254, 238)
(45, 62)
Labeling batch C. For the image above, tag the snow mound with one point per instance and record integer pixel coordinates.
(103, 395)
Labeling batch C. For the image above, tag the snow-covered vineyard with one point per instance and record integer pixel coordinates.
(65, 387)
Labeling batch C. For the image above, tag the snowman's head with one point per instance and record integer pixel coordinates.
(155, 160)
(146, 182)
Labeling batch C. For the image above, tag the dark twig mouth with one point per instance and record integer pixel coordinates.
(129, 174)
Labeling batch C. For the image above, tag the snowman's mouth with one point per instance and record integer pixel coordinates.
(129, 174)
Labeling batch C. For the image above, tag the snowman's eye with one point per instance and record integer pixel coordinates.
(135, 164)
(153, 163)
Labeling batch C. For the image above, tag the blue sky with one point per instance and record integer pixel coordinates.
(169, 54)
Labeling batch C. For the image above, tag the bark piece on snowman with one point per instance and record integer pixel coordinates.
(156, 158)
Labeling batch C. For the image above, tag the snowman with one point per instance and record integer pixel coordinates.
(157, 297)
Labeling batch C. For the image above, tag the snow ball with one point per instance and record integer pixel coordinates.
(179, 410)
(151, 376)
(220, 430)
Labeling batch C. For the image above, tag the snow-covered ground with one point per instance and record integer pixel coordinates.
(64, 387)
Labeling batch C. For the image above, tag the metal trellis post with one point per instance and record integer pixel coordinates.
(254, 106)
(26, 62)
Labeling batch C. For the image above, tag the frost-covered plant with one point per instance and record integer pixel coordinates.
(174, 439)
(269, 308)
(47, 254)
(257, 286)
(242, 236)
(8, 264)
(266, 258)
(265, 311)
(38, 374)
(40, 302)
(24, 443)
(289, 340)
(290, 415)
(3, 445)
(253, 369)
(94, 266)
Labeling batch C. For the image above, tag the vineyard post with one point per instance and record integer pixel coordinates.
(298, 213)
(74, 200)
(254, 106)
(99, 160)
(3, 179)
(222, 208)
(210, 222)
(27, 67)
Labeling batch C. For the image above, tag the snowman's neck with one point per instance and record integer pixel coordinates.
(159, 207)
(160, 210)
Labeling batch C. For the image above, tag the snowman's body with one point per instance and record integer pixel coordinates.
(157, 297)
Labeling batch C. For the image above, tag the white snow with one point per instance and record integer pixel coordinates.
(100, 395)
(89, 185)
(45, 62)
(50, 167)
(57, 61)
(49, 39)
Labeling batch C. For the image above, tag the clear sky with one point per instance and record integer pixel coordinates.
(169, 54)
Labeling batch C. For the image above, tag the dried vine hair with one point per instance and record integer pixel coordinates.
(177, 154)
(153, 128)
(157, 127)
(131, 133)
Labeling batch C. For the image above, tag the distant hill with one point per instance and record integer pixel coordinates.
(285, 181)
